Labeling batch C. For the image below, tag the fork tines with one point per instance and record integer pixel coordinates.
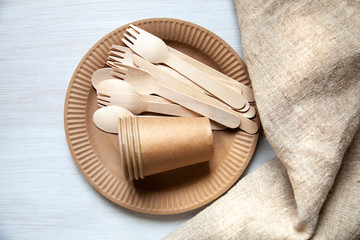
(121, 55)
(134, 30)
(113, 62)
(131, 35)
(118, 48)
(118, 73)
(116, 54)
(103, 100)
(117, 66)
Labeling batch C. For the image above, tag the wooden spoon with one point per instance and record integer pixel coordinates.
(106, 118)
(100, 75)
(147, 83)
(121, 92)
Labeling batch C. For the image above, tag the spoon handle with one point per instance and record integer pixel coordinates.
(212, 112)
(228, 95)
(168, 108)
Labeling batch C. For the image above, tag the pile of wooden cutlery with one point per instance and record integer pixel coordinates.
(147, 76)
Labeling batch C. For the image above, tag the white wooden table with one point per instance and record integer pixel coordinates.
(42, 193)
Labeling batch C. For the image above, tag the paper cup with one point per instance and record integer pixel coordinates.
(150, 145)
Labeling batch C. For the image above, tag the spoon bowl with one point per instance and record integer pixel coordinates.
(106, 118)
(100, 75)
(116, 85)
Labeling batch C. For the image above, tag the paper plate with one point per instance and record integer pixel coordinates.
(96, 153)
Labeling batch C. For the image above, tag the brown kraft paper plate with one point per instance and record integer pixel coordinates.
(96, 153)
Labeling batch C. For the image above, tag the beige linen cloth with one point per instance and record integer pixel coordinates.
(303, 59)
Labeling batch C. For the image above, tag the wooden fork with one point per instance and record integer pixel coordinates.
(155, 50)
(124, 55)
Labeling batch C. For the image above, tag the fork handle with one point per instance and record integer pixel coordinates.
(228, 95)
(247, 92)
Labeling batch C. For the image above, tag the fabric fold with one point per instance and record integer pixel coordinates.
(303, 58)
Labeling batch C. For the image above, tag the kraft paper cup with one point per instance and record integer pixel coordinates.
(150, 145)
